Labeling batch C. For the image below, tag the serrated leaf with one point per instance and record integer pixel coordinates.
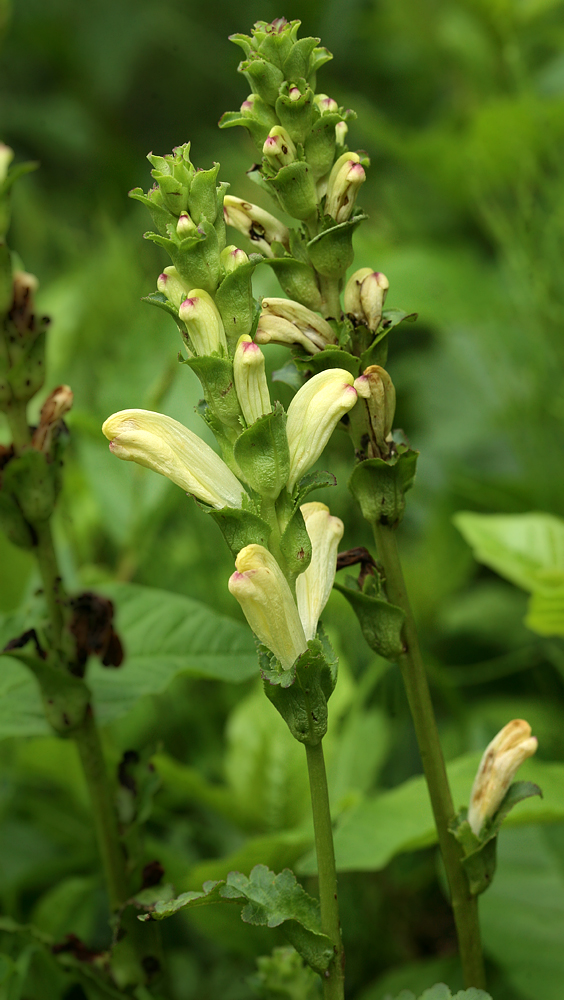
(301, 693)
(267, 900)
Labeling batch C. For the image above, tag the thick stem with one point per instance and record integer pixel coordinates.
(89, 747)
(51, 577)
(334, 980)
(464, 905)
(17, 421)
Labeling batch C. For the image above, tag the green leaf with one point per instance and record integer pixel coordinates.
(400, 819)
(331, 252)
(263, 455)
(331, 357)
(297, 280)
(545, 612)
(381, 622)
(527, 549)
(289, 375)
(295, 544)
(267, 900)
(240, 528)
(313, 481)
(164, 634)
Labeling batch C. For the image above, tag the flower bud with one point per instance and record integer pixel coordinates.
(313, 415)
(279, 148)
(232, 258)
(312, 326)
(502, 757)
(342, 187)
(275, 330)
(203, 323)
(162, 444)
(314, 585)
(57, 404)
(341, 129)
(294, 93)
(266, 599)
(185, 227)
(170, 284)
(377, 388)
(259, 226)
(365, 294)
(325, 103)
(250, 380)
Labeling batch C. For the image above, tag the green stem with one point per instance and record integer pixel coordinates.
(87, 739)
(330, 299)
(464, 905)
(51, 577)
(17, 421)
(333, 981)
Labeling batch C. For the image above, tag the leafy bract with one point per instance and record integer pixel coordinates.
(267, 900)
(164, 635)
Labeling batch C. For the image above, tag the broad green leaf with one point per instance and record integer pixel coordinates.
(267, 900)
(527, 549)
(164, 634)
(545, 613)
(412, 978)
(522, 914)
(381, 826)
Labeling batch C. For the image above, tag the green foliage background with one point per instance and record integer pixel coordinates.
(461, 108)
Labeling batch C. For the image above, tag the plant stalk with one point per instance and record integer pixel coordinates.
(334, 979)
(51, 578)
(464, 905)
(17, 421)
(87, 739)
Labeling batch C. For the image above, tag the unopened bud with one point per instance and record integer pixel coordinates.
(502, 757)
(325, 103)
(314, 585)
(185, 227)
(377, 388)
(312, 326)
(203, 323)
(341, 129)
(259, 226)
(232, 257)
(294, 93)
(342, 187)
(169, 283)
(250, 380)
(365, 294)
(276, 330)
(57, 404)
(279, 148)
(313, 415)
(266, 599)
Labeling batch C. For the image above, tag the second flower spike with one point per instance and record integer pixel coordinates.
(162, 444)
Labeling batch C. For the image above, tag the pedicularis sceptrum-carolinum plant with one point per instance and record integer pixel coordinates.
(285, 549)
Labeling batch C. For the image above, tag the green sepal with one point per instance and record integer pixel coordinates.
(240, 528)
(263, 455)
(296, 116)
(295, 187)
(480, 853)
(377, 353)
(160, 300)
(216, 377)
(159, 215)
(321, 143)
(312, 481)
(393, 317)
(318, 58)
(267, 900)
(34, 482)
(265, 78)
(331, 357)
(295, 544)
(297, 280)
(380, 486)
(298, 246)
(173, 192)
(234, 299)
(65, 697)
(196, 258)
(380, 622)
(203, 195)
(301, 693)
(298, 62)
(258, 130)
(331, 252)
(288, 375)
(22, 366)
